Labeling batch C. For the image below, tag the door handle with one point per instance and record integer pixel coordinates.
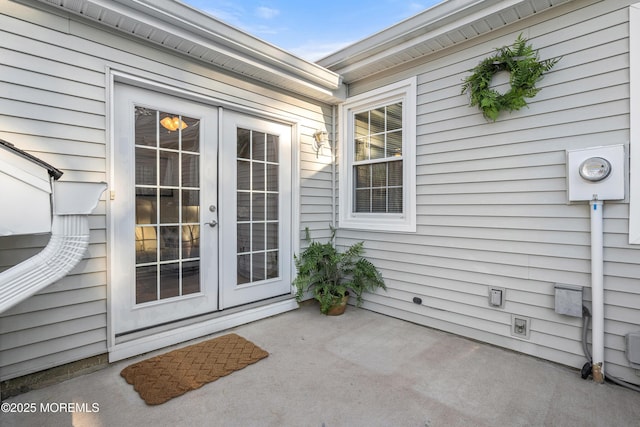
(212, 223)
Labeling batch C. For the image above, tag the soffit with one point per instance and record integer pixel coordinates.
(181, 28)
(437, 28)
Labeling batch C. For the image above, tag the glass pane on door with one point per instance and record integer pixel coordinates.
(258, 198)
(167, 205)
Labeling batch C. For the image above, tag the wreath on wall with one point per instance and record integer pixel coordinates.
(525, 69)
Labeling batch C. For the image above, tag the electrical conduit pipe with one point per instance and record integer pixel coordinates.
(597, 290)
(72, 203)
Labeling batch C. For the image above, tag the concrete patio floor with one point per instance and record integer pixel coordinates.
(359, 369)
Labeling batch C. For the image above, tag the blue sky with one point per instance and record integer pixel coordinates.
(311, 30)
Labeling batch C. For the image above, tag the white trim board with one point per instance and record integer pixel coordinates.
(174, 336)
(634, 124)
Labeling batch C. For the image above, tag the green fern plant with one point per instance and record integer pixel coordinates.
(330, 274)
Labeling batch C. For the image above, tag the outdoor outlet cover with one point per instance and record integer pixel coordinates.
(497, 297)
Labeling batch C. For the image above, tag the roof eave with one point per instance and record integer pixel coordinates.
(181, 28)
(437, 28)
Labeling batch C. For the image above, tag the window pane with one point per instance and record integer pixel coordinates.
(190, 241)
(169, 243)
(394, 116)
(169, 206)
(362, 149)
(146, 284)
(146, 126)
(169, 280)
(146, 205)
(146, 244)
(377, 120)
(258, 237)
(272, 178)
(257, 207)
(272, 265)
(379, 175)
(395, 174)
(244, 269)
(272, 207)
(190, 277)
(363, 176)
(244, 143)
(258, 271)
(190, 170)
(244, 206)
(273, 142)
(363, 200)
(361, 124)
(377, 146)
(272, 236)
(244, 238)
(258, 176)
(244, 175)
(191, 134)
(394, 144)
(259, 146)
(145, 166)
(395, 200)
(190, 206)
(170, 126)
(379, 200)
(169, 168)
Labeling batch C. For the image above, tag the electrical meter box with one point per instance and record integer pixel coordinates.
(596, 173)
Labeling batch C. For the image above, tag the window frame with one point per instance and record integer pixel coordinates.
(404, 91)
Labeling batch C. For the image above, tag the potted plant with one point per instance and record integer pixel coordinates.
(330, 274)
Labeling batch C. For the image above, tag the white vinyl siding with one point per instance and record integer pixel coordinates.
(492, 207)
(54, 91)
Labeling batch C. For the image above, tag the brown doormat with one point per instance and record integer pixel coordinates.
(169, 375)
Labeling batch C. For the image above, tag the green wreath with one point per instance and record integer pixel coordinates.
(522, 62)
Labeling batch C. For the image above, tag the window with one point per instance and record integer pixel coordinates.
(257, 195)
(377, 167)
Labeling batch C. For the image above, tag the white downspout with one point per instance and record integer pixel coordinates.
(72, 203)
(597, 290)
(333, 166)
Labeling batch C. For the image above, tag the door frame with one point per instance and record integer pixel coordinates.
(162, 336)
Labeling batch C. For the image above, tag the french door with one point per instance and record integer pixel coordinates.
(165, 257)
(201, 209)
(255, 199)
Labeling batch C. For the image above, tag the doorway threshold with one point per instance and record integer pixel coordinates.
(143, 341)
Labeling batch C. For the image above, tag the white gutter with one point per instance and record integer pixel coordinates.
(182, 29)
(597, 290)
(72, 203)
